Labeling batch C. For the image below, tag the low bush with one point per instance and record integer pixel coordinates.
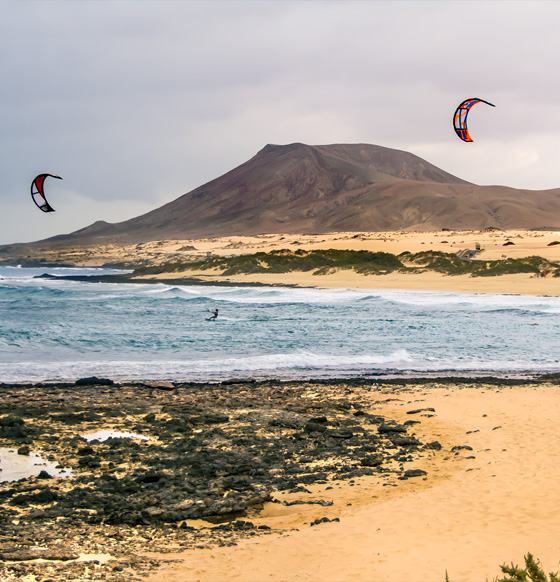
(365, 262)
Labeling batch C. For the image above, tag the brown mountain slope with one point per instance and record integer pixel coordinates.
(347, 187)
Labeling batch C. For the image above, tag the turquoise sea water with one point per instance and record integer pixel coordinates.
(62, 330)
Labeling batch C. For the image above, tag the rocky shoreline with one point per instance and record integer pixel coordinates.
(211, 452)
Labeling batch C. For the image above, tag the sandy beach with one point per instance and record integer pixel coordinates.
(463, 480)
(492, 244)
(484, 496)
(488, 502)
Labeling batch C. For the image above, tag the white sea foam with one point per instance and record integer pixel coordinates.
(62, 330)
(287, 366)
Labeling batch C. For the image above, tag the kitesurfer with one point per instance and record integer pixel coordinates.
(214, 315)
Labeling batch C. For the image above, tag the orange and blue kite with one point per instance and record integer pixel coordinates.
(460, 117)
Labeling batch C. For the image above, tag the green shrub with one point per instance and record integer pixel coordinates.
(532, 572)
(326, 261)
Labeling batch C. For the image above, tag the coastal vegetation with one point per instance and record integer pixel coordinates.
(325, 261)
(531, 573)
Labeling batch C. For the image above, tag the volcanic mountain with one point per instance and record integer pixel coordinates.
(299, 188)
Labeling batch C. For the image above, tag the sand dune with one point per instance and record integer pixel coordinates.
(491, 243)
(475, 510)
(494, 244)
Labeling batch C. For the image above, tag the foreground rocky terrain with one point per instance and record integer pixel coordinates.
(211, 452)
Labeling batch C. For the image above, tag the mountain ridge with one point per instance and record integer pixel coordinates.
(298, 188)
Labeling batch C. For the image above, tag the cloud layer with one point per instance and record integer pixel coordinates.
(136, 103)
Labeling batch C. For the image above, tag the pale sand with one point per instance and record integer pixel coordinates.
(469, 516)
(505, 284)
(526, 243)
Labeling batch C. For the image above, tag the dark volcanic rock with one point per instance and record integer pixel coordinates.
(389, 428)
(314, 426)
(95, 381)
(324, 520)
(404, 441)
(44, 475)
(372, 460)
(414, 473)
(341, 434)
(11, 421)
(434, 445)
(418, 410)
(217, 452)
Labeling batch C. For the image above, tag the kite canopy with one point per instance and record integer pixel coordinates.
(38, 193)
(460, 117)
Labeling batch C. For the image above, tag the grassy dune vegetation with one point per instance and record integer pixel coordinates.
(323, 262)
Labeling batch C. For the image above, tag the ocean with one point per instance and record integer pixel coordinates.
(60, 330)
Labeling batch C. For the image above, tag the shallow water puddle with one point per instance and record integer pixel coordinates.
(101, 558)
(103, 435)
(97, 558)
(14, 467)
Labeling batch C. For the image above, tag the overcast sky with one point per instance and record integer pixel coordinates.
(135, 103)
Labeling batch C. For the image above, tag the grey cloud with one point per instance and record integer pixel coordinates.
(139, 102)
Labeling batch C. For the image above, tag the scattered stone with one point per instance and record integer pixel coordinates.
(341, 434)
(323, 520)
(322, 502)
(165, 386)
(406, 441)
(388, 428)
(93, 380)
(11, 421)
(434, 445)
(414, 473)
(239, 381)
(372, 460)
(418, 410)
(44, 475)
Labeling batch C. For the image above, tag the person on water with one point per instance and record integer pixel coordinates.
(214, 315)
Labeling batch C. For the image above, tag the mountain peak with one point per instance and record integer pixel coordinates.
(298, 188)
(274, 148)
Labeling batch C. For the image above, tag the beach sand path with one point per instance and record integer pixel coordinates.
(476, 509)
